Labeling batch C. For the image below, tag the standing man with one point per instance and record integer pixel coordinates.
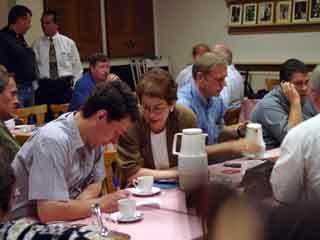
(185, 76)
(99, 71)
(285, 106)
(60, 169)
(58, 61)
(232, 94)
(16, 55)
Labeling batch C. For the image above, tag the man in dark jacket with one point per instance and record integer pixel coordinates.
(15, 53)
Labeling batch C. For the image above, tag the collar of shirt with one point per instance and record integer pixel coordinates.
(54, 37)
(77, 140)
(198, 98)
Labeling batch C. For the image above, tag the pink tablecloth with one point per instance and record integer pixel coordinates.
(157, 224)
(170, 218)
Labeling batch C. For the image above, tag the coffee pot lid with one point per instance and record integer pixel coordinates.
(192, 131)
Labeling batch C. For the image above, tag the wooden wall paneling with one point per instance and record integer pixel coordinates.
(130, 28)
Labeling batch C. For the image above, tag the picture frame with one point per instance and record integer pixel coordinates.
(300, 11)
(235, 14)
(265, 13)
(250, 14)
(314, 10)
(283, 12)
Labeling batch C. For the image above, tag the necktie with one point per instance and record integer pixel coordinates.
(53, 66)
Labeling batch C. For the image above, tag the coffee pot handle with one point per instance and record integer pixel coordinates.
(174, 147)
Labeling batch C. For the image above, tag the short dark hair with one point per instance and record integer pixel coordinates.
(291, 66)
(157, 83)
(97, 57)
(7, 180)
(17, 12)
(115, 97)
(52, 13)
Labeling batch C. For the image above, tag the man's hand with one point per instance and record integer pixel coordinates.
(112, 77)
(243, 128)
(246, 146)
(291, 93)
(109, 202)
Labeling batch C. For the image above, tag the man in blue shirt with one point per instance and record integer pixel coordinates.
(202, 96)
(99, 71)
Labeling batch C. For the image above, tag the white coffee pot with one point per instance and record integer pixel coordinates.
(193, 142)
(254, 134)
(192, 158)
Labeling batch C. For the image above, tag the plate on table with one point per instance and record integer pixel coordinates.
(117, 216)
(137, 192)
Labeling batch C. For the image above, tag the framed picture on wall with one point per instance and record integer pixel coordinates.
(265, 13)
(300, 11)
(250, 13)
(235, 14)
(283, 12)
(314, 11)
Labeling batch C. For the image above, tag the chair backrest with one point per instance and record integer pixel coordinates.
(271, 83)
(110, 157)
(246, 107)
(231, 116)
(58, 109)
(38, 110)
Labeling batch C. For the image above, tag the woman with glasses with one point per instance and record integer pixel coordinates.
(146, 148)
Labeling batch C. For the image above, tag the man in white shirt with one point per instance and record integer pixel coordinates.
(58, 62)
(232, 93)
(296, 174)
(185, 76)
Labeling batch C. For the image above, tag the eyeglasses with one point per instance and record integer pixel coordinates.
(301, 83)
(156, 109)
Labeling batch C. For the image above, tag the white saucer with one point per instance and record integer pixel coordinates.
(137, 192)
(118, 217)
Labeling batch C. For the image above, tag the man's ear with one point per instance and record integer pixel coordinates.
(199, 76)
(102, 114)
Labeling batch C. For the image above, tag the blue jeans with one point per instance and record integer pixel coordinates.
(25, 94)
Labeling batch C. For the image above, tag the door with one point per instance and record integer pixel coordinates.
(130, 28)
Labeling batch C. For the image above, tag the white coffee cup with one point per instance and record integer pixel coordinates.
(144, 184)
(127, 208)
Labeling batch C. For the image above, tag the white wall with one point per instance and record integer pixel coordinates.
(182, 23)
(3, 13)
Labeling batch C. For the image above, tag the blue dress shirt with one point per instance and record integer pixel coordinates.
(82, 91)
(209, 111)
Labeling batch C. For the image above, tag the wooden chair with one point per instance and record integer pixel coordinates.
(38, 110)
(231, 116)
(110, 157)
(271, 83)
(58, 109)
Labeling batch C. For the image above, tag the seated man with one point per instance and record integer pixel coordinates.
(285, 106)
(202, 96)
(60, 169)
(232, 94)
(295, 175)
(99, 72)
(29, 228)
(185, 76)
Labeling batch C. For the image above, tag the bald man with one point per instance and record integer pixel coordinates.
(232, 94)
